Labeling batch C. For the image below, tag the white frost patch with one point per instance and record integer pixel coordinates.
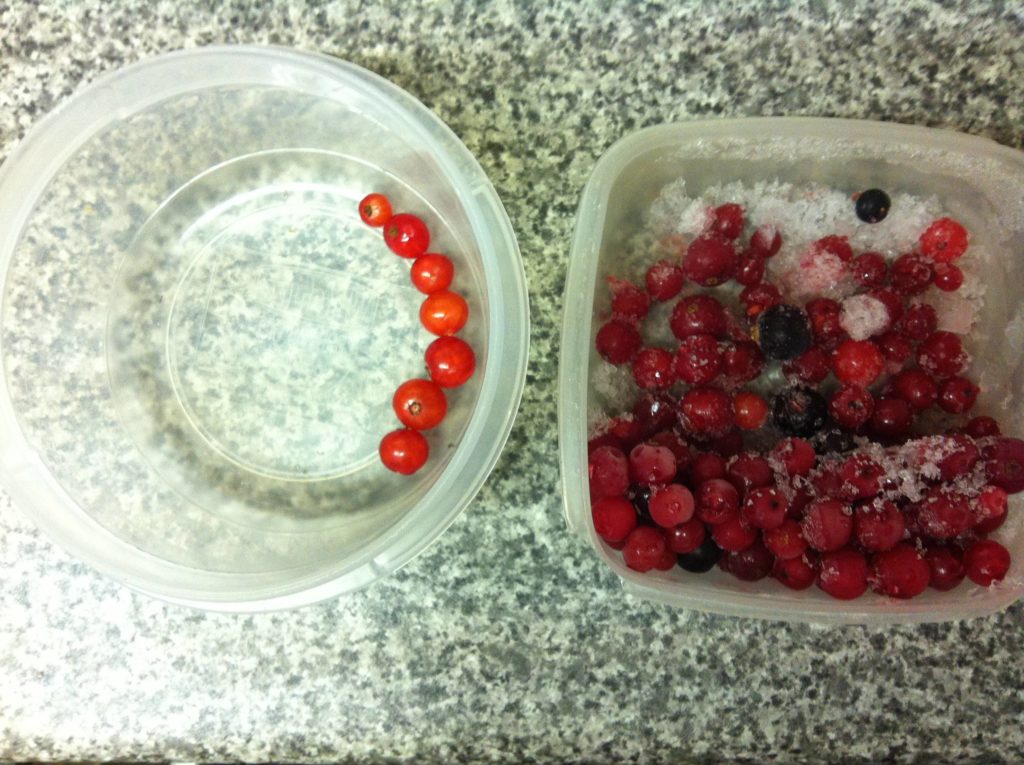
(863, 316)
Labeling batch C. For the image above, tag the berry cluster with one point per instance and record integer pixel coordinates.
(421, 403)
(849, 494)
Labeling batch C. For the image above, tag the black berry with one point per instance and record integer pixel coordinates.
(799, 411)
(702, 559)
(783, 332)
(640, 496)
(872, 205)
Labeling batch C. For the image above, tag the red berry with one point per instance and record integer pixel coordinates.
(404, 451)
(652, 369)
(677, 444)
(629, 302)
(824, 315)
(650, 464)
(944, 240)
(750, 410)
(444, 313)
(901, 572)
(948, 278)
(654, 412)
(946, 569)
(750, 270)
(878, 525)
(375, 210)
(710, 261)
(918, 321)
(450, 361)
(827, 524)
(869, 269)
(794, 573)
(891, 300)
(811, 367)
(742, 361)
(618, 342)
(727, 221)
(645, 548)
(432, 273)
(733, 534)
(1004, 464)
(706, 466)
(861, 476)
(891, 419)
(857, 362)
(843, 574)
(727, 445)
(942, 355)
(990, 505)
(981, 426)
(986, 561)
(717, 500)
(664, 280)
(605, 439)
(750, 564)
(943, 513)
(759, 298)
(698, 360)
(420, 404)
(957, 395)
(627, 430)
(835, 245)
(406, 235)
(706, 411)
(686, 537)
(765, 241)
(785, 540)
(915, 387)
(961, 455)
(671, 505)
(698, 315)
(614, 518)
(765, 507)
(910, 274)
(749, 471)
(851, 406)
(608, 472)
(894, 346)
(796, 455)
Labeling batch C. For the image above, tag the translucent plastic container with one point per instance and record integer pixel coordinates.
(201, 339)
(976, 180)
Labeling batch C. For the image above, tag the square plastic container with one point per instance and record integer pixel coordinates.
(976, 180)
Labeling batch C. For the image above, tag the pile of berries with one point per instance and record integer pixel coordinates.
(420, 404)
(846, 490)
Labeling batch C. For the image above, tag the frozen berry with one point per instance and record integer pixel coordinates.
(653, 412)
(749, 471)
(981, 426)
(824, 315)
(742, 362)
(878, 525)
(614, 518)
(796, 455)
(686, 537)
(698, 360)
(627, 430)
(986, 562)
(677, 444)
(785, 540)
(943, 513)
(629, 302)
(861, 476)
(945, 568)
(857, 362)
(783, 332)
(990, 504)
(957, 395)
(717, 500)
(918, 321)
(944, 240)
(765, 241)
(758, 298)
(891, 419)
(961, 454)
(915, 387)
(618, 342)
(851, 406)
(872, 205)
(406, 235)
(728, 444)
(799, 411)
(750, 270)
(650, 464)
(811, 367)
(664, 280)
(827, 524)
(843, 574)
(698, 315)
(765, 507)
(706, 466)
(734, 534)
(1004, 464)
(706, 411)
(869, 269)
(404, 451)
(750, 564)
(910, 274)
(750, 410)
(671, 505)
(896, 347)
(834, 245)
(794, 573)
(901, 572)
(653, 369)
(727, 221)
(645, 548)
(948, 278)
(942, 355)
(709, 261)
(608, 471)
(702, 559)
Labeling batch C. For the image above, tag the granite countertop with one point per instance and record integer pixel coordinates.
(508, 641)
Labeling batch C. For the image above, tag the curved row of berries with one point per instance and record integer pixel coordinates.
(420, 403)
(813, 509)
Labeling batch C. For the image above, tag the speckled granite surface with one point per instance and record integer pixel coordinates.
(507, 642)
